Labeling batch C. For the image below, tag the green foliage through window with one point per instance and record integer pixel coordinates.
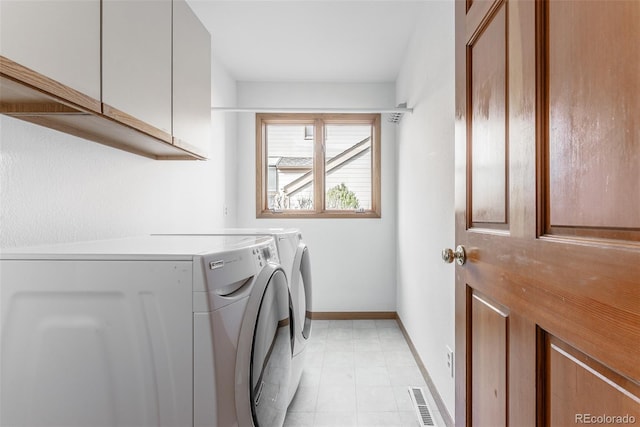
(340, 197)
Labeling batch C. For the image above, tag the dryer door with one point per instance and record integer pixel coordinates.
(263, 365)
(301, 295)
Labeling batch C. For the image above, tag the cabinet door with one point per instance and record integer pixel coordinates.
(191, 80)
(59, 39)
(136, 64)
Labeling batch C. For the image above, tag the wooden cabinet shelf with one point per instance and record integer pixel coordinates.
(29, 96)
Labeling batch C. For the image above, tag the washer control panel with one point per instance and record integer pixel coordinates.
(265, 253)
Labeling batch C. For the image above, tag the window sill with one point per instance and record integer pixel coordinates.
(310, 214)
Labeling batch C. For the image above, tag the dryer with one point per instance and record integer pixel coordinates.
(295, 259)
(145, 331)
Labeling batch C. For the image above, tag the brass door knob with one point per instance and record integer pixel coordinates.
(448, 255)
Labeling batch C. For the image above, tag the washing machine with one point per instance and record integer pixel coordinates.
(145, 331)
(295, 259)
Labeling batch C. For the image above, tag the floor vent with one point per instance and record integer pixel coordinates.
(421, 406)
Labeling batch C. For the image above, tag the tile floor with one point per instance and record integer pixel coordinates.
(357, 373)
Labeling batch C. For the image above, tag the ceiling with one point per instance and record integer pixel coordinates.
(310, 40)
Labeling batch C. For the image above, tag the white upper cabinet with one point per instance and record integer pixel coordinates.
(136, 64)
(132, 74)
(191, 80)
(59, 39)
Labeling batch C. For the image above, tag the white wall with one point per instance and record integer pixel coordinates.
(58, 188)
(353, 260)
(224, 129)
(425, 206)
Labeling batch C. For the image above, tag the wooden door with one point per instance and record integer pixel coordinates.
(548, 209)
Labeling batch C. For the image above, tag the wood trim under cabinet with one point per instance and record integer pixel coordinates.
(29, 96)
(16, 110)
(136, 123)
(189, 147)
(106, 131)
(36, 81)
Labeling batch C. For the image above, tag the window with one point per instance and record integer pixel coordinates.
(318, 165)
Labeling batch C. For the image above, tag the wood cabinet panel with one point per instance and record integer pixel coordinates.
(58, 39)
(489, 362)
(579, 390)
(487, 74)
(522, 362)
(136, 62)
(593, 103)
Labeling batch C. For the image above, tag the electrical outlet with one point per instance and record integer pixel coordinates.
(450, 361)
